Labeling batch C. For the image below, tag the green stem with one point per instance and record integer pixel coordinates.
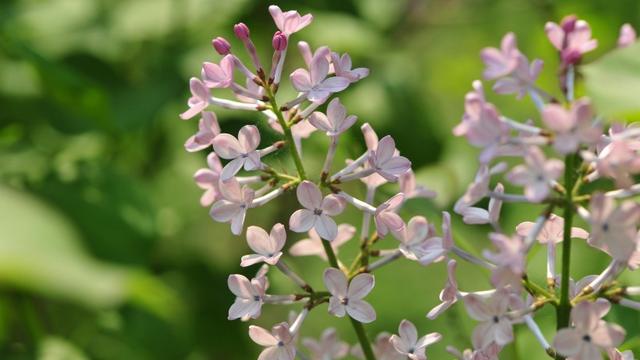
(564, 308)
(287, 133)
(357, 327)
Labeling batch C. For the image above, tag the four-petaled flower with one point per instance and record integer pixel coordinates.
(279, 342)
(314, 83)
(317, 211)
(241, 151)
(408, 344)
(208, 179)
(268, 247)
(590, 334)
(208, 129)
(335, 122)
(552, 231)
(536, 176)
(346, 298)
(495, 325)
(233, 205)
(382, 348)
(613, 228)
(342, 66)
(387, 219)
(448, 295)
(572, 38)
(572, 127)
(501, 62)
(386, 161)
(329, 347)
(249, 296)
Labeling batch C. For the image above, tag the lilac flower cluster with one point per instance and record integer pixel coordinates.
(569, 128)
(239, 179)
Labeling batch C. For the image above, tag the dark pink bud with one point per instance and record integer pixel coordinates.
(279, 41)
(571, 56)
(568, 23)
(241, 30)
(221, 45)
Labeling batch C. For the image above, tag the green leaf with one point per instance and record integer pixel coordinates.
(40, 253)
(613, 82)
(55, 348)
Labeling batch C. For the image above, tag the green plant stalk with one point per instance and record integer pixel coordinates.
(288, 136)
(563, 310)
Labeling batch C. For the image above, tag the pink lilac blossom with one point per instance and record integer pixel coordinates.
(335, 122)
(627, 36)
(249, 296)
(342, 67)
(589, 335)
(572, 38)
(278, 343)
(346, 297)
(552, 231)
(448, 295)
(408, 344)
(317, 211)
(386, 162)
(501, 62)
(536, 176)
(291, 21)
(411, 189)
(476, 215)
(386, 218)
(199, 99)
(382, 348)
(233, 205)
(218, 76)
(494, 325)
(208, 129)
(613, 228)
(572, 127)
(618, 160)
(267, 247)
(313, 83)
(241, 151)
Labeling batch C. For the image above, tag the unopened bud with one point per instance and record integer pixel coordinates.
(279, 41)
(241, 30)
(568, 23)
(221, 45)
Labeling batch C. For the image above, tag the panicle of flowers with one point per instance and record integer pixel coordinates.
(240, 178)
(561, 148)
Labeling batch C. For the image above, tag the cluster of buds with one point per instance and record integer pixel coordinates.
(607, 159)
(245, 181)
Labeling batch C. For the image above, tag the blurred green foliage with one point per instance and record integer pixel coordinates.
(104, 250)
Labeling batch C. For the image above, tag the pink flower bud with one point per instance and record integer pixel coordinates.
(241, 30)
(279, 41)
(221, 45)
(568, 23)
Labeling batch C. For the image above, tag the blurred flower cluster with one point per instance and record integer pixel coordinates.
(239, 179)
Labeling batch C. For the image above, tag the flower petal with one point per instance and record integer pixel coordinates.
(335, 281)
(302, 220)
(360, 286)
(309, 195)
(261, 336)
(361, 311)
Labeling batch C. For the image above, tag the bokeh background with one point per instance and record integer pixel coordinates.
(105, 252)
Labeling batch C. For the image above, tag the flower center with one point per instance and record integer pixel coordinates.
(586, 338)
(344, 301)
(280, 343)
(605, 227)
(317, 212)
(496, 319)
(256, 298)
(540, 178)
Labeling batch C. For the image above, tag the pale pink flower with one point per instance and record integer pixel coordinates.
(589, 335)
(479, 188)
(314, 82)
(476, 215)
(241, 151)
(208, 178)
(279, 342)
(615, 354)
(572, 127)
(382, 348)
(552, 231)
(488, 353)
(481, 124)
(619, 160)
(336, 121)
(313, 244)
(495, 325)
(448, 295)
(386, 162)
(249, 296)
(408, 344)
(342, 67)
(234, 204)
(572, 38)
(289, 22)
(521, 80)
(371, 141)
(613, 228)
(317, 211)
(511, 252)
(199, 99)
(218, 76)
(328, 348)
(627, 36)
(208, 129)
(501, 62)
(346, 298)
(536, 176)
(267, 247)
(387, 219)
(411, 189)
(419, 243)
